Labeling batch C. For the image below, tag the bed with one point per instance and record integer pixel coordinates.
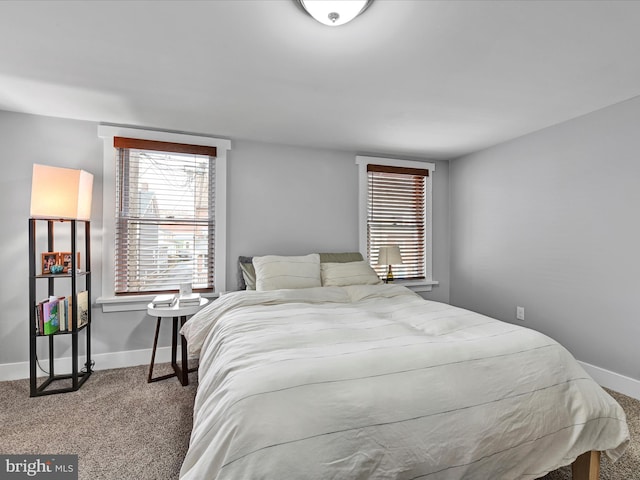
(371, 381)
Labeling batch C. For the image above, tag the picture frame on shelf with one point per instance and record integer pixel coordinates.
(64, 259)
(49, 259)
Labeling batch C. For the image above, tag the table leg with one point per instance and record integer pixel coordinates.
(153, 357)
(153, 352)
(181, 371)
(185, 361)
(174, 342)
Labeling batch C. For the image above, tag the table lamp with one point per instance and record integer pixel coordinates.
(60, 193)
(389, 255)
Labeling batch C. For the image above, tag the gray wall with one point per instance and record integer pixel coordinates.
(291, 200)
(550, 222)
(281, 199)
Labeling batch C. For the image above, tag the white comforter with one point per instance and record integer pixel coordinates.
(373, 382)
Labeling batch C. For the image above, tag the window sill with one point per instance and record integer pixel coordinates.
(418, 285)
(132, 303)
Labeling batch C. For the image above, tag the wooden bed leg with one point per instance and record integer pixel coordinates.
(586, 466)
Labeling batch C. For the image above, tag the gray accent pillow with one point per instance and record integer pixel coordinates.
(245, 267)
(341, 257)
(249, 275)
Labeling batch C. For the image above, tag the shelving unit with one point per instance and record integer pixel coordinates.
(77, 377)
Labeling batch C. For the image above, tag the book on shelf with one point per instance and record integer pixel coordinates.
(83, 308)
(67, 319)
(51, 316)
(40, 317)
(63, 305)
(189, 299)
(167, 300)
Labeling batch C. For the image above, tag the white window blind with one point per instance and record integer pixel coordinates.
(164, 216)
(396, 216)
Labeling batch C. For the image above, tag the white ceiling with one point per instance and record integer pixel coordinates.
(435, 79)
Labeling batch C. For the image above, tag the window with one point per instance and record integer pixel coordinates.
(164, 214)
(395, 209)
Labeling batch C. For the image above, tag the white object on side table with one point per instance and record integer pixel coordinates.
(179, 315)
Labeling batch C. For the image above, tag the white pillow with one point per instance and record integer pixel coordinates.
(350, 273)
(274, 272)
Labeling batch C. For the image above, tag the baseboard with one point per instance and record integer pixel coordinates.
(103, 361)
(614, 381)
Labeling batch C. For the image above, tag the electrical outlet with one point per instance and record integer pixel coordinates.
(520, 313)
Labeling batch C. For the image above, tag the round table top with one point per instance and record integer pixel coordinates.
(176, 310)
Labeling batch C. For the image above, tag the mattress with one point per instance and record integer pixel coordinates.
(374, 382)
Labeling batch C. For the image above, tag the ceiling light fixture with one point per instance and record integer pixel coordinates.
(334, 12)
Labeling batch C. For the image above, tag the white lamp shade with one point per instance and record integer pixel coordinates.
(61, 193)
(389, 255)
(324, 10)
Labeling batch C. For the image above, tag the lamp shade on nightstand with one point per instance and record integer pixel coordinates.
(61, 193)
(389, 255)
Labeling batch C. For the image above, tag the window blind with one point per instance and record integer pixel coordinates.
(396, 216)
(164, 216)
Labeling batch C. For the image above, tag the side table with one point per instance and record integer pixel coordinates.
(179, 315)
